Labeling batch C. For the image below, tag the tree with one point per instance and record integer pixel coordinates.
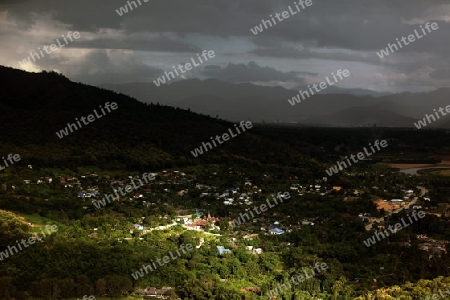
(117, 285)
(83, 286)
(100, 286)
(6, 287)
(12, 228)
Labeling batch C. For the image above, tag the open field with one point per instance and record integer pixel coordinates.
(444, 163)
(387, 206)
(445, 172)
(109, 298)
(39, 221)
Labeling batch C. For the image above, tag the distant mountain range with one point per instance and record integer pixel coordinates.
(331, 107)
(339, 90)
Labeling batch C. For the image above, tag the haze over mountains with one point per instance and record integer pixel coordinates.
(237, 102)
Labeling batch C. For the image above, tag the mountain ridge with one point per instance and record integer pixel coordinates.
(270, 104)
(136, 135)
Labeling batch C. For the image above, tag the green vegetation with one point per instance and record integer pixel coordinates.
(95, 251)
(93, 245)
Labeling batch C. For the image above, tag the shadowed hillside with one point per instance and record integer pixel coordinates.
(136, 135)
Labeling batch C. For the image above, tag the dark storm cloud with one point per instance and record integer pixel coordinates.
(195, 16)
(333, 31)
(341, 24)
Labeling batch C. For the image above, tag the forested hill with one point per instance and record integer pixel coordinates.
(34, 106)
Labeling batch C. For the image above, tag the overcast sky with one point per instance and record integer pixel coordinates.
(306, 47)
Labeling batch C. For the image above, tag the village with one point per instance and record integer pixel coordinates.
(220, 209)
(171, 188)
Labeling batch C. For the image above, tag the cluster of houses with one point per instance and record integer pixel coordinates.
(154, 293)
(231, 196)
(198, 221)
(240, 198)
(39, 181)
(276, 231)
(435, 247)
(222, 250)
(90, 192)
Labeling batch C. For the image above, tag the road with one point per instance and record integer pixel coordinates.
(423, 191)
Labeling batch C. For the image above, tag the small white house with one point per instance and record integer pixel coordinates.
(257, 251)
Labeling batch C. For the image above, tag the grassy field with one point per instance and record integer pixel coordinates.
(39, 222)
(443, 173)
